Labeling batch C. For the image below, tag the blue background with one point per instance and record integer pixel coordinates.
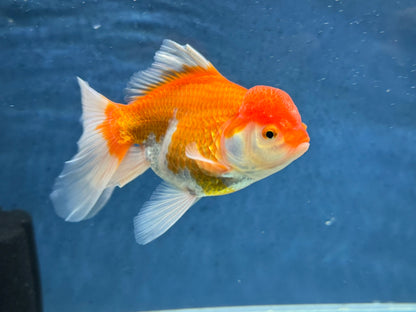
(338, 225)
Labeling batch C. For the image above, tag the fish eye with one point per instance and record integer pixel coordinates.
(269, 133)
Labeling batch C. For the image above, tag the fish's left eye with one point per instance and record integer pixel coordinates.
(269, 133)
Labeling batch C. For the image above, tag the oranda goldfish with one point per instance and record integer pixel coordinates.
(201, 133)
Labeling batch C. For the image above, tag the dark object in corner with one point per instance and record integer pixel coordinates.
(19, 273)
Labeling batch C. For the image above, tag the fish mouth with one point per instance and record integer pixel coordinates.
(297, 137)
(301, 149)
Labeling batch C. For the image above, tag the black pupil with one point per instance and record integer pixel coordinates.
(270, 134)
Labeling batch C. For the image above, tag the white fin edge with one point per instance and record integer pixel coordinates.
(192, 152)
(170, 59)
(166, 205)
(78, 192)
(132, 165)
(99, 204)
(212, 166)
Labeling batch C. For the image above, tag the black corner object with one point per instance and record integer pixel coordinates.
(19, 273)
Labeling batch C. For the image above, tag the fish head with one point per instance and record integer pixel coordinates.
(266, 135)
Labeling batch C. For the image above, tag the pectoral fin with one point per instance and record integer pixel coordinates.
(204, 163)
(166, 205)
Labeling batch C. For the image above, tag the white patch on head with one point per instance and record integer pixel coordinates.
(257, 157)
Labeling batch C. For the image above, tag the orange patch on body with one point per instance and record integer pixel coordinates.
(202, 100)
(112, 130)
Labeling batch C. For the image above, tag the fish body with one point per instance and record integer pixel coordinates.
(201, 133)
(184, 114)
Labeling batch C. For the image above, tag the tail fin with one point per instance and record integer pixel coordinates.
(89, 178)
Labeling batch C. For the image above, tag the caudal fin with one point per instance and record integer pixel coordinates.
(102, 163)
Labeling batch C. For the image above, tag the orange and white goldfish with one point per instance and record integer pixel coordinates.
(201, 133)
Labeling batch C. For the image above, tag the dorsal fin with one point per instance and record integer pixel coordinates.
(171, 60)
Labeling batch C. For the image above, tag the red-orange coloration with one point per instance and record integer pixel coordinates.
(201, 133)
(200, 99)
(111, 130)
(271, 106)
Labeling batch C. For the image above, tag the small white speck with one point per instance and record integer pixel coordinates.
(239, 281)
(96, 26)
(413, 87)
(388, 90)
(262, 232)
(381, 32)
(340, 11)
(330, 221)
(11, 105)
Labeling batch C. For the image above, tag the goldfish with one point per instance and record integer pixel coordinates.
(202, 134)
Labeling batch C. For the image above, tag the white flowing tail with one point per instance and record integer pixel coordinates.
(89, 178)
